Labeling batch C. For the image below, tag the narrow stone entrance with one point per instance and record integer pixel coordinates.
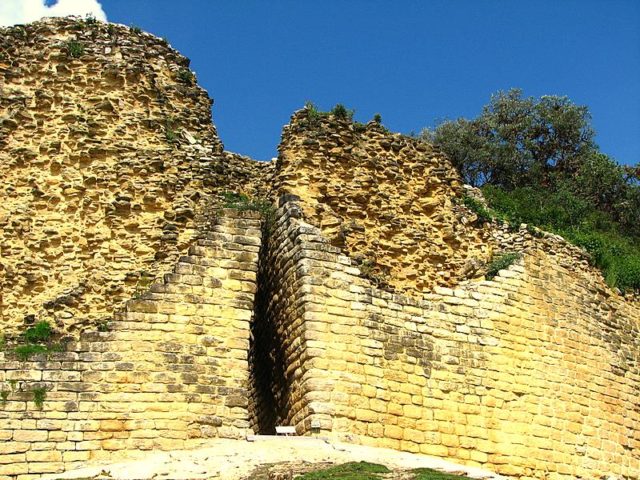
(266, 358)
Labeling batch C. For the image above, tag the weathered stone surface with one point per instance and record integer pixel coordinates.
(151, 377)
(110, 163)
(389, 201)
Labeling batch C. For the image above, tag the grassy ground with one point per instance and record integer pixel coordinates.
(348, 471)
(428, 474)
(372, 471)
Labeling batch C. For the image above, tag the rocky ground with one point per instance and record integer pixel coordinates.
(265, 458)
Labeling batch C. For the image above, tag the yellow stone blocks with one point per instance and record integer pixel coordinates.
(465, 376)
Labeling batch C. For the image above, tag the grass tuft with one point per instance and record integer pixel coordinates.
(500, 263)
(348, 471)
(429, 474)
(74, 48)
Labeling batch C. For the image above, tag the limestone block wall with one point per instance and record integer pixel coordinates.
(392, 203)
(278, 348)
(172, 368)
(533, 374)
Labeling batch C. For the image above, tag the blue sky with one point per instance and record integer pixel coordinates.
(415, 62)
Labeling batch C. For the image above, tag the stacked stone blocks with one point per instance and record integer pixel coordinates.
(523, 374)
(173, 368)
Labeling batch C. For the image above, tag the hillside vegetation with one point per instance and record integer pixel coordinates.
(537, 163)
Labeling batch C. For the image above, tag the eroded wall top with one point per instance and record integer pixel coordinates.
(391, 202)
(108, 157)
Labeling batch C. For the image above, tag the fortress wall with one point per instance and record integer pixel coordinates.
(172, 368)
(108, 160)
(280, 353)
(533, 375)
(387, 200)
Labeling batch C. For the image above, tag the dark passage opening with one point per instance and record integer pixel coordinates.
(266, 357)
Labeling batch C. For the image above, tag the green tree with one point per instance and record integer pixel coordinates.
(517, 141)
(537, 163)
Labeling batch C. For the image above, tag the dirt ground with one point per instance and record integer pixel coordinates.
(265, 458)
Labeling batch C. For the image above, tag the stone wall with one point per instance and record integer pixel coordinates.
(533, 374)
(109, 163)
(172, 368)
(392, 203)
(112, 177)
(279, 355)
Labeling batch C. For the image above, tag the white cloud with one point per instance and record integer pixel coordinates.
(14, 12)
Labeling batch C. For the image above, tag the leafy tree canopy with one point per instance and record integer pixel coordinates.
(537, 162)
(516, 141)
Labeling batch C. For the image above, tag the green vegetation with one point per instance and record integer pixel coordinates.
(373, 471)
(25, 352)
(170, 131)
(104, 326)
(313, 113)
(341, 112)
(483, 214)
(242, 202)
(370, 270)
(536, 163)
(429, 474)
(88, 21)
(74, 48)
(614, 251)
(4, 396)
(144, 282)
(171, 135)
(501, 262)
(37, 340)
(135, 29)
(186, 76)
(348, 471)
(41, 332)
(39, 395)
(377, 118)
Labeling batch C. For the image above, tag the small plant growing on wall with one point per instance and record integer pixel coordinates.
(74, 48)
(170, 131)
(370, 270)
(242, 202)
(186, 76)
(342, 112)
(40, 332)
(37, 340)
(104, 326)
(482, 212)
(500, 263)
(88, 21)
(314, 114)
(4, 396)
(39, 395)
(144, 282)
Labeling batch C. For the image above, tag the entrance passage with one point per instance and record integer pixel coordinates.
(268, 388)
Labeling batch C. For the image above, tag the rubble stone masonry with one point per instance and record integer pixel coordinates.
(386, 199)
(108, 160)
